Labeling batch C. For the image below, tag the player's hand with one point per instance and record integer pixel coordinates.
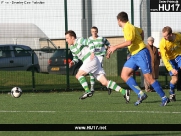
(108, 54)
(71, 64)
(92, 56)
(111, 49)
(174, 72)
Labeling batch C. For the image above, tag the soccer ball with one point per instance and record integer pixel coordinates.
(16, 92)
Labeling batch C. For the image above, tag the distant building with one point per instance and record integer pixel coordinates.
(48, 15)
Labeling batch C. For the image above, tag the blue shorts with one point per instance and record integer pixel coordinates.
(140, 60)
(176, 64)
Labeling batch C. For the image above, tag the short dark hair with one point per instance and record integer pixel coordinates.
(94, 27)
(123, 16)
(167, 29)
(71, 33)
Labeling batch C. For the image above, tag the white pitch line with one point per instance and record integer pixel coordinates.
(158, 112)
(30, 111)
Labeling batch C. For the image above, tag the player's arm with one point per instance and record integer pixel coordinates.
(141, 32)
(165, 59)
(74, 61)
(108, 55)
(169, 66)
(129, 36)
(107, 44)
(121, 45)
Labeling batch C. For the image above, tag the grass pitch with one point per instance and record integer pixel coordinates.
(66, 108)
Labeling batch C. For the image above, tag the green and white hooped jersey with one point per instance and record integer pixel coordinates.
(100, 43)
(82, 49)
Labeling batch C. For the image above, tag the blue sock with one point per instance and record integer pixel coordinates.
(158, 89)
(133, 85)
(172, 87)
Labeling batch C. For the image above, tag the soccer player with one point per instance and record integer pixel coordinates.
(170, 49)
(101, 45)
(84, 50)
(141, 32)
(140, 57)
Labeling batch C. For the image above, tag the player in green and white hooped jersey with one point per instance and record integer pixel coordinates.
(101, 45)
(83, 49)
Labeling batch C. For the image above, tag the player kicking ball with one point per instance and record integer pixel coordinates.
(83, 49)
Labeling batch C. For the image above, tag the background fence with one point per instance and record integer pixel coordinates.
(35, 24)
(31, 80)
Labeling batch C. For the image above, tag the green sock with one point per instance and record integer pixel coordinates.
(123, 91)
(92, 81)
(84, 84)
(117, 88)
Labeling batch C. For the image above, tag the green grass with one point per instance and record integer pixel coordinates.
(66, 108)
(51, 82)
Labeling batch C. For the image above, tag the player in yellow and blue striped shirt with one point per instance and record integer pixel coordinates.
(140, 57)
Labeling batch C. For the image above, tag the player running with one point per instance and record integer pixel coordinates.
(170, 49)
(101, 45)
(84, 50)
(140, 57)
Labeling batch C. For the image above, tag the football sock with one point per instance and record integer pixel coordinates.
(122, 91)
(141, 93)
(164, 97)
(158, 88)
(114, 86)
(133, 85)
(172, 87)
(92, 81)
(84, 84)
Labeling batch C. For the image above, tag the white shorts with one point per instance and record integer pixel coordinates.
(92, 66)
(100, 58)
